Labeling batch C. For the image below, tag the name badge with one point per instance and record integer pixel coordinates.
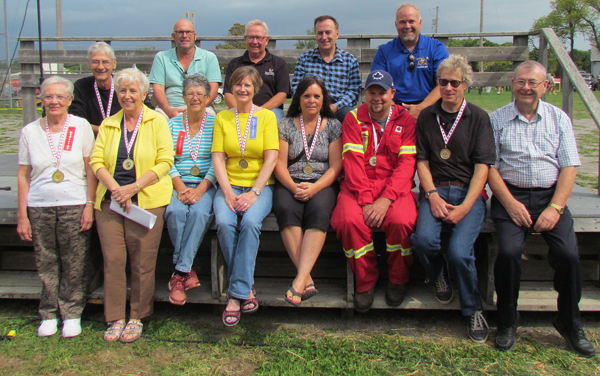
(253, 126)
(69, 139)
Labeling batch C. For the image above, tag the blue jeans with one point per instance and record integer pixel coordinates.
(240, 242)
(461, 252)
(278, 113)
(187, 226)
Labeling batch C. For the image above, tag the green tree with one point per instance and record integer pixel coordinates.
(307, 44)
(567, 20)
(236, 30)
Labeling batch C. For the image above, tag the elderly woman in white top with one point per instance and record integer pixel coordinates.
(56, 195)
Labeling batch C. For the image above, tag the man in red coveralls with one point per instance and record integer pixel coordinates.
(379, 158)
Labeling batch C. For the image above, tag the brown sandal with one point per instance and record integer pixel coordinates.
(133, 329)
(114, 332)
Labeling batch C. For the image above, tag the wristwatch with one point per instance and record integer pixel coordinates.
(430, 193)
(559, 209)
(256, 190)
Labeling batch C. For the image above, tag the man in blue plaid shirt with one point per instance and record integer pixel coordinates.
(338, 68)
(532, 178)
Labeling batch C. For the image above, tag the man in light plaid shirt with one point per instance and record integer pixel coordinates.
(531, 181)
(338, 68)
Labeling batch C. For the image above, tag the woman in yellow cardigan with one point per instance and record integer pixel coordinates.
(133, 168)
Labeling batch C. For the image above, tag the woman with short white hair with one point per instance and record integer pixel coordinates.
(132, 158)
(56, 193)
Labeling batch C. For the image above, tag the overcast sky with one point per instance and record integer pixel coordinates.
(214, 18)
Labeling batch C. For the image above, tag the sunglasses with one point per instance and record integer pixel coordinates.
(453, 83)
(411, 65)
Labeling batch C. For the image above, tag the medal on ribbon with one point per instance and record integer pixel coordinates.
(445, 153)
(194, 171)
(308, 168)
(110, 99)
(128, 163)
(57, 176)
(243, 163)
(373, 159)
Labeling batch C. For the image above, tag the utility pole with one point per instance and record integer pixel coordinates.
(8, 93)
(59, 31)
(481, 31)
(434, 23)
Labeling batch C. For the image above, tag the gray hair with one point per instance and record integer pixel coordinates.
(101, 47)
(257, 22)
(457, 64)
(409, 5)
(531, 65)
(194, 81)
(57, 80)
(129, 75)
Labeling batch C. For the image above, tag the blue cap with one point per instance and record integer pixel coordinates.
(381, 78)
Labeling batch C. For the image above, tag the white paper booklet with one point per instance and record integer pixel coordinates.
(136, 214)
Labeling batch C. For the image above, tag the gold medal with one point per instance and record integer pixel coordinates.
(445, 153)
(308, 169)
(195, 171)
(58, 176)
(128, 164)
(243, 163)
(373, 161)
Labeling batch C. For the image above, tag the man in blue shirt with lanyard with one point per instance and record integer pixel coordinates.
(412, 59)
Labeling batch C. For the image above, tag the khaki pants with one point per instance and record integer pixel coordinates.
(119, 237)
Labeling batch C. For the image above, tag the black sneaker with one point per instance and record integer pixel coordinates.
(478, 328)
(576, 339)
(506, 336)
(443, 291)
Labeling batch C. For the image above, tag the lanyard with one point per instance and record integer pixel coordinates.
(129, 144)
(194, 152)
(110, 99)
(308, 151)
(458, 117)
(56, 153)
(376, 142)
(239, 132)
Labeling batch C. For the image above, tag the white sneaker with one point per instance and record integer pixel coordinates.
(47, 328)
(71, 328)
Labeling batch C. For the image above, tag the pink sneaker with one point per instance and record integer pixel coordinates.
(176, 287)
(191, 280)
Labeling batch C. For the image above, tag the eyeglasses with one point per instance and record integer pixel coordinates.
(183, 32)
(411, 65)
(532, 83)
(50, 98)
(95, 63)
(453, 83)
(250, 38)
(194, 95)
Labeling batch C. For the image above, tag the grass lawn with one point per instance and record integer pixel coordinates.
(190, 340)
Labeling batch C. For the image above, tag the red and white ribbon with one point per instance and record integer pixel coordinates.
(460, 114)
(57, 153)
(129, 144)
(308, 151)
(194, 152)
(239, 132)
(110, 99)
(375, 140)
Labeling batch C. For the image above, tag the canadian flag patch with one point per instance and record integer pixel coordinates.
(398, 129)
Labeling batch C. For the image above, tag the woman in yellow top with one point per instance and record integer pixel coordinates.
(245, 148)
(132, 158)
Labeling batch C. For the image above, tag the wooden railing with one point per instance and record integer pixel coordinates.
(357, 44)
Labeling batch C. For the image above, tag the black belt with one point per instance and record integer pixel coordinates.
(451, 183)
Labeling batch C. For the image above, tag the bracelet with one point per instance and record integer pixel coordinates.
(90, 202)
(139, 187)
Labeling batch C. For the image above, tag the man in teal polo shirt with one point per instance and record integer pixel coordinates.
(171, 67)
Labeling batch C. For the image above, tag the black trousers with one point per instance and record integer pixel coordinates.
(563, 257)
